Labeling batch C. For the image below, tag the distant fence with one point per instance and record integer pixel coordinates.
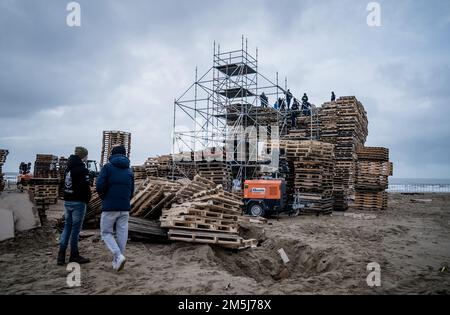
(419, 188)
(10, 180)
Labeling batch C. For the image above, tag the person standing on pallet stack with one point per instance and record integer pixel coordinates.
(294, 113)
(306, 107)
(77, 193)
(115, 186)
(288, 99)
(333, 96)
(264, 100)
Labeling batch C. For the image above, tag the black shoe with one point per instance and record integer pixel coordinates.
(61, 258)
(78, 259)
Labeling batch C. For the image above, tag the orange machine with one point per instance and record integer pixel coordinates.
(263, 189)
(264, 196)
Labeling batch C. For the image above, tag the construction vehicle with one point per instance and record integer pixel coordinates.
(267, 197)
(91, 165)
(24, 177)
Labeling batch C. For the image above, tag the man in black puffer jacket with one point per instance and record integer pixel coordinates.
(115, 186)
(77, 193)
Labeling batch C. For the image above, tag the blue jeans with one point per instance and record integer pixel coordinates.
(74, 212)
(120, 218)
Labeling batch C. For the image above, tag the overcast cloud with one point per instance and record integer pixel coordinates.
(61, 86)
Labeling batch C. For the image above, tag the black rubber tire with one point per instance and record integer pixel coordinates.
(256, 209)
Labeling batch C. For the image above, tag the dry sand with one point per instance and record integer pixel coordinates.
(328, 255)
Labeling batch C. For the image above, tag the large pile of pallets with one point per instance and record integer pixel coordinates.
(3, 154)
(312, 165)
(152, 196)
(45, 166)
(205, 213)
(111, 139)
(151, 167)
(197, 211)
(139, 172)
(344, 123)
(373, 170)
(217, 171)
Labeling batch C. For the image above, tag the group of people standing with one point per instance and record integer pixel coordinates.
(115, 186)
(284, 104)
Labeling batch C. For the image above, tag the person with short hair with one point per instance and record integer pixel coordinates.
(77, 193)
(115, 186)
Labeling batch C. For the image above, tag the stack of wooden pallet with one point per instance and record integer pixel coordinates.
(309, 126)
(152, 196)
(165, 166)
(45, 166)
(185, 169)
(151, 167)
(373, 170)
(111, 139)
(217, 171)
(312, 162)
(3, 154)
(344, 124)
(43, 192)
(208, 216)
(297, 134)
(140, 172)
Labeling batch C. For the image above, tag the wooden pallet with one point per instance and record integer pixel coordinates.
(111, 139)
(370, 200)
(373, 154)
(197, 224)
(46, 166)
(3, 154)
(218, 238)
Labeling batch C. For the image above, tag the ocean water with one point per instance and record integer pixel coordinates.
(419, 185)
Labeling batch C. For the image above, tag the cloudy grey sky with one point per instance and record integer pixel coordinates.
(61, 86)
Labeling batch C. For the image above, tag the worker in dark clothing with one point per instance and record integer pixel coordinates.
(296, 105)
(304, 99)
(294, 113)
(77, 193)
(288, 98)
(264, 100)
(115, 186)
(282, 105)
(305, 105)
(306, 108)
(333, 97)
(23, 168)
(279, 103)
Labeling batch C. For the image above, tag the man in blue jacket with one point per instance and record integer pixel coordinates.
(115, 186)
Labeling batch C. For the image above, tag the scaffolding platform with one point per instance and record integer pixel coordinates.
(226, 98)
(236, 69)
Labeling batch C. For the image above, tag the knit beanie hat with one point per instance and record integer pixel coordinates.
(81, 152)
(120, 149)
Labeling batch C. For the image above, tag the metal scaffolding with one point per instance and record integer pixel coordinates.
(225, 99)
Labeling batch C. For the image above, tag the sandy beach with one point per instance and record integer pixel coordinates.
(328, 255)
